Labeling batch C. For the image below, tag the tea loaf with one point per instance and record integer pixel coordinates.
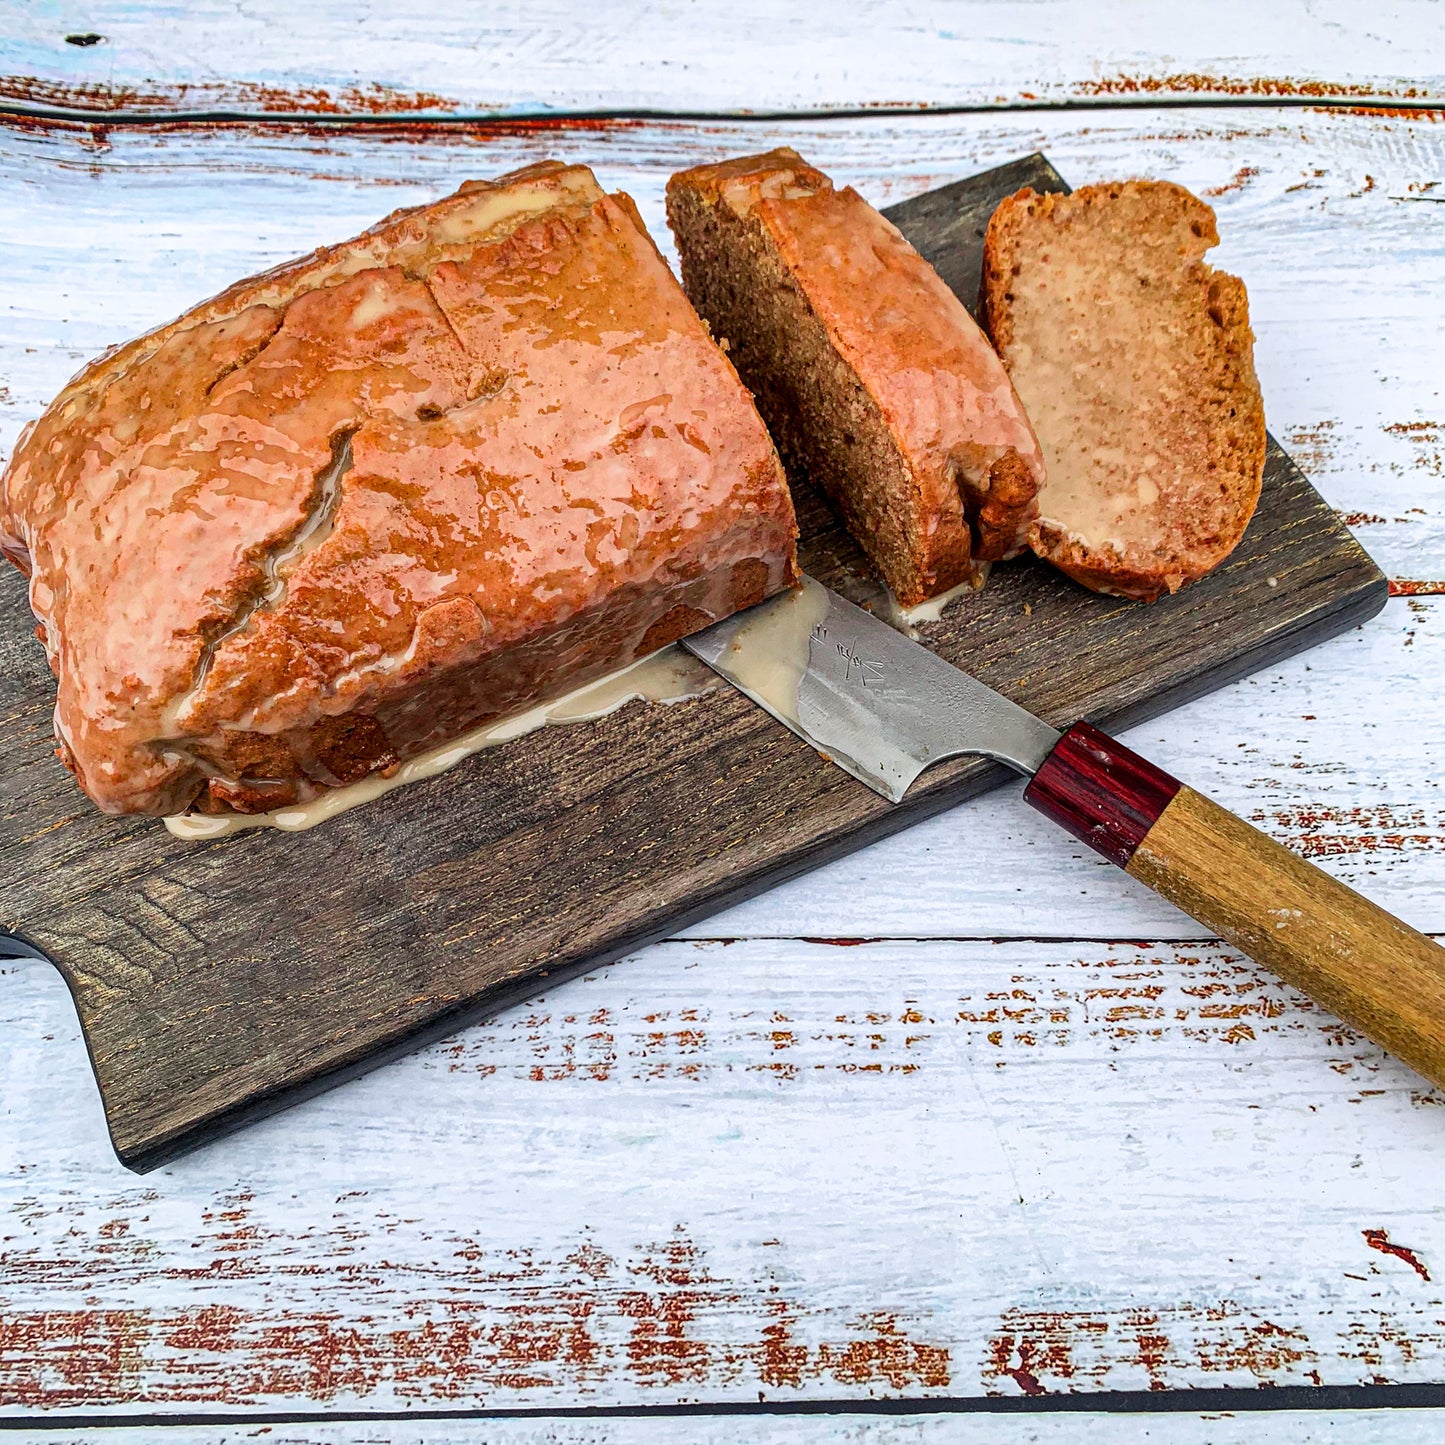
(351, 508)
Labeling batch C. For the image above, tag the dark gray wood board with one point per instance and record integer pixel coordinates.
(218, 981)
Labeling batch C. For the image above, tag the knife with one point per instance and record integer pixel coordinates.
(885, 708)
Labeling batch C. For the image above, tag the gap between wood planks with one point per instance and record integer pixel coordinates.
(1115, 1402)
(1201, 940)
(562, 120)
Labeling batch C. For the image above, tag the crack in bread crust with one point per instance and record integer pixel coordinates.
(269, 593)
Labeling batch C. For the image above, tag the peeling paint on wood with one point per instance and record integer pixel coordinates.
(560, 1326)
(1008, 1167)
(552, 56)
(1135, 998)
(1380, 1240)
(799, 1169)
(245, 97)
(1256, 87)
(1041, 1351)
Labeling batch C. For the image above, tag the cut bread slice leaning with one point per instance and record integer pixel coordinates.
(871, 375)
(1134, 360)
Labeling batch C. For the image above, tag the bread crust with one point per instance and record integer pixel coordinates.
(354, 507)
(1213, 453)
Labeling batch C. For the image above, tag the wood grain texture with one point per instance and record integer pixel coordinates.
(210, 978)
(1348, 954)
(369, 58)
(1274, 1427)
(811, 1171)
(374, 1208)
(1100, 792)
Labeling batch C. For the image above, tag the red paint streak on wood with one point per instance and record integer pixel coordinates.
(95, 137)
(1312, 447)
(782, 1362)
(1043, 1350)
(40, 1363)
(1261, 1348)
(1125, 997)
(1321, 832)
(887, 1355)
(1426, 456)
(1241, 179)
(1378, 1239)
(1255, 87)
(1041, 1342)
(501, 1322)
(661, 1349)
(373, 99)
(1390, 112)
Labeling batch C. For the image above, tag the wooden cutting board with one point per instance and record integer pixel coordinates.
(219, 981)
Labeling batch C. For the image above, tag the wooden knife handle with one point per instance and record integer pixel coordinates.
(1325, 939)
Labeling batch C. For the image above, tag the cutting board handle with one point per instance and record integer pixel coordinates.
(1345, 952)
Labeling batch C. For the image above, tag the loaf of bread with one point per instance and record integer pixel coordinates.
(1134, 360)
(354, 507)
(873, 378)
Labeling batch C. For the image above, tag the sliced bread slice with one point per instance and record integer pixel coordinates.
(1134, 360)
(871, 375)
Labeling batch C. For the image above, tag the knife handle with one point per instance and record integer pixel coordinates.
(1345, 952)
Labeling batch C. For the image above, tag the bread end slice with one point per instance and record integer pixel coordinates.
(1134, 361)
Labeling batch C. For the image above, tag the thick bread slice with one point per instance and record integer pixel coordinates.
(1134, 360)
(873, 378)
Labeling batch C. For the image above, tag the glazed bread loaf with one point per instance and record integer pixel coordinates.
(1135, 362)
(349, 509)
(871, 375)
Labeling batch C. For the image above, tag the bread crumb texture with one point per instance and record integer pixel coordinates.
(1134, 361)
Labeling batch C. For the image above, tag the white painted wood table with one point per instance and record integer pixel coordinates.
(946, 1142)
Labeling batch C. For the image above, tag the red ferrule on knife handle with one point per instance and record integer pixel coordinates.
(1101, 792)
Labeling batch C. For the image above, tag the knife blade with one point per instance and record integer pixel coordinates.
(876, 703)
(884, 709)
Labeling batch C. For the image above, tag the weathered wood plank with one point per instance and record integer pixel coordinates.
(1328, 217)
(366, 57)
(798, 1170)
(1270, 1427)
(726, 1158)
